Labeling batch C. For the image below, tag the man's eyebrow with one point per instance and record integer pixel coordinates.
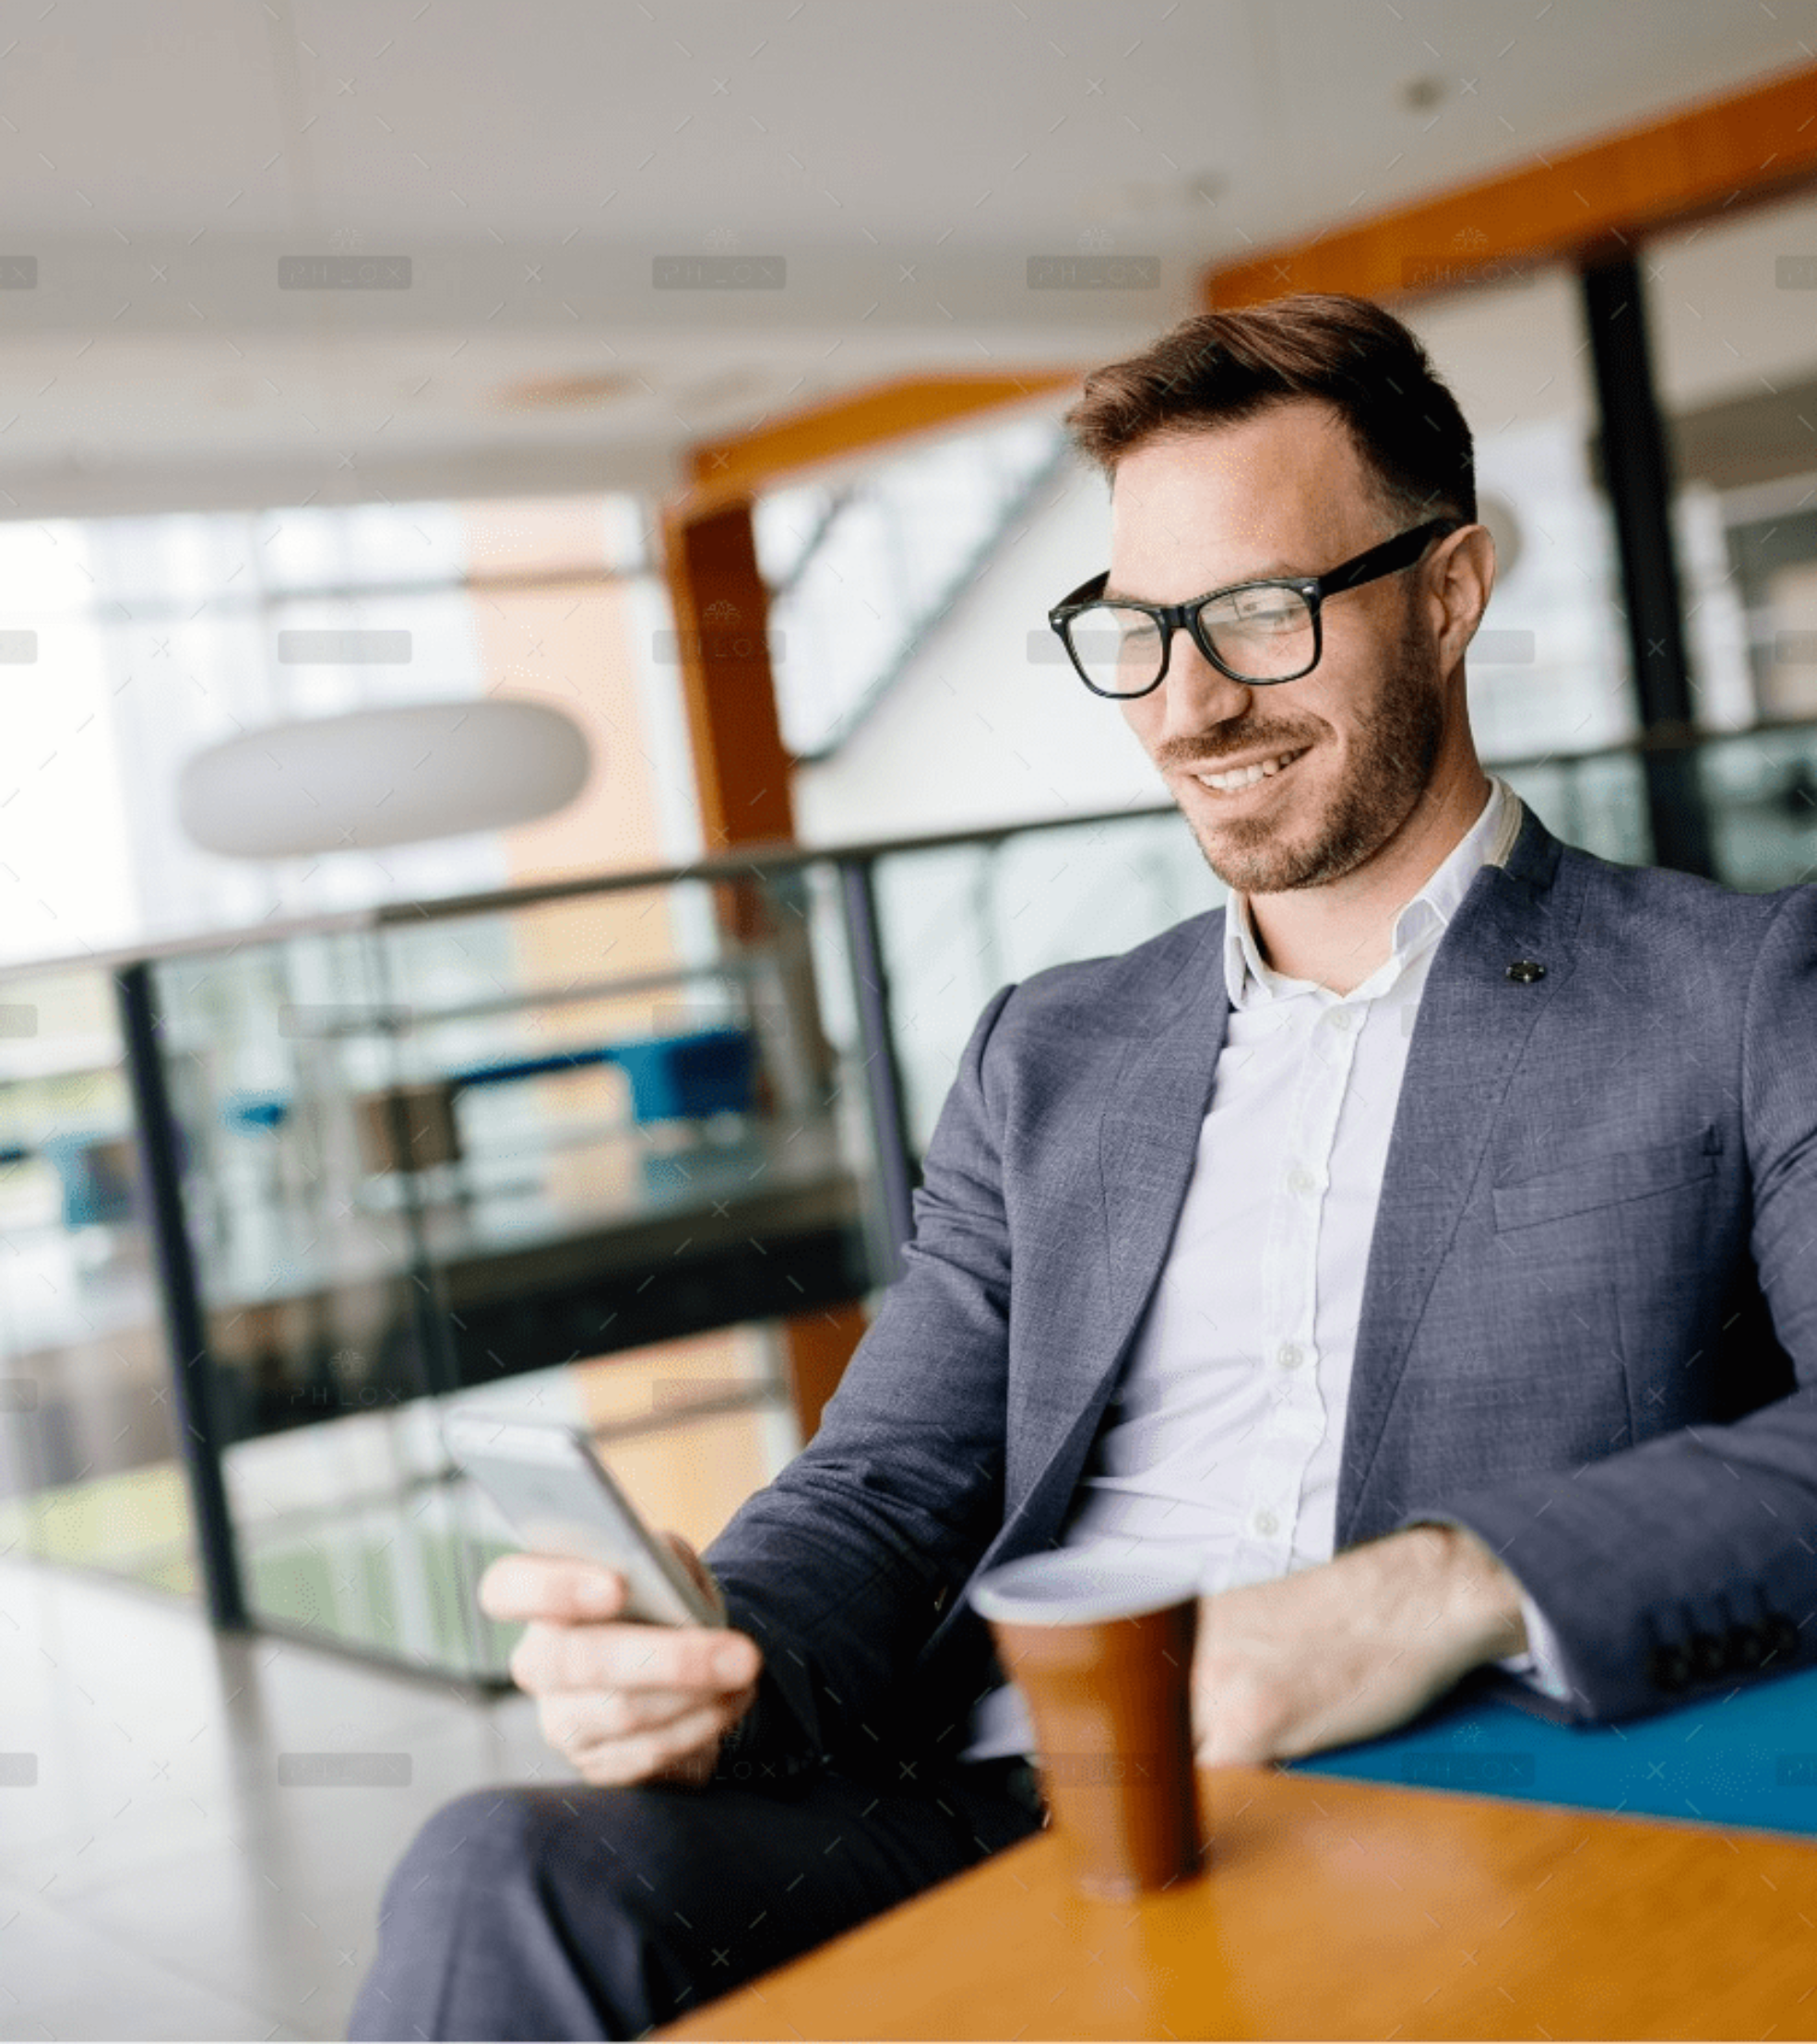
(1270, 571)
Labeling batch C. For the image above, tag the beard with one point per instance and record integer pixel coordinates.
(1396, 748)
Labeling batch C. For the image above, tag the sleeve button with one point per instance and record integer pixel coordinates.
(1744, 1647)
(1707, 1655)
(1669, 1667)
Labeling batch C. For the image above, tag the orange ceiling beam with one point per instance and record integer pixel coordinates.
(1703, 160)
(749, 463)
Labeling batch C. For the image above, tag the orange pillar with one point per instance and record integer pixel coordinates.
(721, 619)
(743, 774)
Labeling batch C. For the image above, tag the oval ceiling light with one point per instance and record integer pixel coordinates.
(381, 776)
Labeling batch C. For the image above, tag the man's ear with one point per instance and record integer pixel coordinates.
(1463, 579)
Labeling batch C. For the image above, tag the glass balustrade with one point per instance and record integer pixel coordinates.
(582, 1150)
(90, 1466)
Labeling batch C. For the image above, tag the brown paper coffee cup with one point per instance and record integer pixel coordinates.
(1102, 1652)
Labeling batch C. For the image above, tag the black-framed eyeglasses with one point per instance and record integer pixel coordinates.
(1254, 631)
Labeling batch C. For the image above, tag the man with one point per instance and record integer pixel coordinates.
(1426, 1245)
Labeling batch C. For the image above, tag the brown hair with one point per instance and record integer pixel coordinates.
(1220, 368)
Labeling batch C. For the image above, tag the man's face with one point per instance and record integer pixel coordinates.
(1282, 494)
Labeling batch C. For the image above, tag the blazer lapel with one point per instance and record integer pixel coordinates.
(1144, 1145)
(1473, 1022)
(1148, 1140)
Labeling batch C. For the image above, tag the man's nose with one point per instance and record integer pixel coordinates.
(1196, 695)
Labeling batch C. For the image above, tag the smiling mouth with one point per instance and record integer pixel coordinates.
(1248, 776)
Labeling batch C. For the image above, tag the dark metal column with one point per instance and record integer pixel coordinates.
(191, 1371)
(1637, 475)
(883, 1074)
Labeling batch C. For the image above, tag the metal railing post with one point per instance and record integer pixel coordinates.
(192, 1370)
(883, 1071)
(1637, 476)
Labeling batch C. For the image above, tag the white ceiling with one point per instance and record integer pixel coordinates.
(534, 160)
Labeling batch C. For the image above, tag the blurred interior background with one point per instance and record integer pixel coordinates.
(528, 732)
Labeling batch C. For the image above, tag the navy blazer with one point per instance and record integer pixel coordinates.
(1588, 1328)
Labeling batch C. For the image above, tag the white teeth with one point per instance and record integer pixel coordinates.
(1246, 776)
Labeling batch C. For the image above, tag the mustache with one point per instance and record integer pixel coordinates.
(1205, 755)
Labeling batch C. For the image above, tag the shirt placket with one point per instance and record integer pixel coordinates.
(1294, 1417)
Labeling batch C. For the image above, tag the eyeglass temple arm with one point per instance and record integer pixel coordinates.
(1341, 578)
(1375, 561)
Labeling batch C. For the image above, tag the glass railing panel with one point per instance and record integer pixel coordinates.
(1762, 792)
(960, 921)
(90, 1472)
(493, 1154)
(582, 1155)
(1597, 802)
(1090, 890)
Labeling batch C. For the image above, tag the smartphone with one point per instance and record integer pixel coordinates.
(561, 1499)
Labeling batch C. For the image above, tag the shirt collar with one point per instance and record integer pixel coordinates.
(1424, 917)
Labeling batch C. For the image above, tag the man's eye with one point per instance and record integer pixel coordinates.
(1257, 611)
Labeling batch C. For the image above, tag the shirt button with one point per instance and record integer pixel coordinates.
(1340, 1018)
(1266, 1523)
(1289, 1355)
(1300, 1180)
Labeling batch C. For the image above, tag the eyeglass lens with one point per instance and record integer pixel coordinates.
(1262, 634)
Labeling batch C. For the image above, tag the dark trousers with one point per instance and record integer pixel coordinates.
(583, 1913)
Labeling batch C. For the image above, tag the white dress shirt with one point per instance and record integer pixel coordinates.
(1223, 1439)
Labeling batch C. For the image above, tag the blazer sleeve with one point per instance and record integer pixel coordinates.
(1542, 1666)
(840, 1567)
(1689, 1563)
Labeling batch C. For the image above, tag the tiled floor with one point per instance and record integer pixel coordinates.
(156, 1880)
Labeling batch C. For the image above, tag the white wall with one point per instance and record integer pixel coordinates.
(976, 731)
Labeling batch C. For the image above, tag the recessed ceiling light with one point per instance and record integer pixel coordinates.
(586, 393)
(731, 386)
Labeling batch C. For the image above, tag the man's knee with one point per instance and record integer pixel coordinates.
(537, 1840)
(560, 1905)
(487, 1833)
(517, 1905)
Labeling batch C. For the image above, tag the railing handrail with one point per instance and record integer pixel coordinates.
(758, 861)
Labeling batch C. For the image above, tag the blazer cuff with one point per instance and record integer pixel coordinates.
(767, 1748)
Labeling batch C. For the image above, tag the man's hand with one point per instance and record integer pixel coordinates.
(623, 1702)
(1350, 1649)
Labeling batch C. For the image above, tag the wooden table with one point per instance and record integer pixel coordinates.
(1338, 1909)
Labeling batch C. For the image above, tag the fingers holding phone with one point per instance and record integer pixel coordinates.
(636, 1675)
(622, 1700)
